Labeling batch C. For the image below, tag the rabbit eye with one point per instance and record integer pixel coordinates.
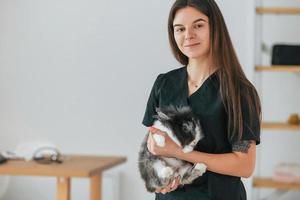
(185, 129)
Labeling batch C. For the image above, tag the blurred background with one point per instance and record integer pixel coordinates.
(78, 74)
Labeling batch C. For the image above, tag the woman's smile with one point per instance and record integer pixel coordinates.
(191, 45)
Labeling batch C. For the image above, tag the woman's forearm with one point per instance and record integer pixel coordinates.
(234, 164)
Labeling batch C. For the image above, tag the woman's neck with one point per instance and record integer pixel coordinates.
(199, 70)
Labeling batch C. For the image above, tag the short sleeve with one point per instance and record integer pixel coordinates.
(251, 122)
(251, 125)
(153, 102)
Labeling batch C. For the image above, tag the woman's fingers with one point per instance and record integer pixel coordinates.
(165, 190)
(156, 131)
(175, 184)
(150, 143)
(171, 187)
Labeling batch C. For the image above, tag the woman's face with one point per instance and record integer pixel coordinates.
(191, 33)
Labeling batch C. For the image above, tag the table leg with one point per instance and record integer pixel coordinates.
(96, 187)
(63, 188)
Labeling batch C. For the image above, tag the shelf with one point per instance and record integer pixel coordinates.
(278, 68)
(279, 126)
(277, 10)
(269, 183)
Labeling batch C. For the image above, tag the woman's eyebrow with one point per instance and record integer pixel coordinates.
(177, 25)
(197, 20)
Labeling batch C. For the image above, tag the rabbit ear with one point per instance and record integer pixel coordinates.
(161, 115)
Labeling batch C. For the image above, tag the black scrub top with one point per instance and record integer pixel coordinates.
(172, 89)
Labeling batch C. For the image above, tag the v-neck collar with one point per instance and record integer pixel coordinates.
(203, 85)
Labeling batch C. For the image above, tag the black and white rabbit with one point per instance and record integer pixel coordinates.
(183, 127)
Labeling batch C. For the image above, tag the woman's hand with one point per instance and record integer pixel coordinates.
(171, 187)
(171, 149)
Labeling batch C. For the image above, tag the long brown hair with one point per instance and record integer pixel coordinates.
(235, 88)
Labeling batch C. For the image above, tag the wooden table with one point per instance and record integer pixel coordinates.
(73, 166)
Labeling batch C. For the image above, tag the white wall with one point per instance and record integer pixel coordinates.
(78, 74)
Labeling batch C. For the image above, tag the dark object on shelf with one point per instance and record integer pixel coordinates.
(2, 159)
(286, 54)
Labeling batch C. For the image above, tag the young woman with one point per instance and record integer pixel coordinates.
(214, 85)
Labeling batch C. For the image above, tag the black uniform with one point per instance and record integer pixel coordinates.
(172, 89)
